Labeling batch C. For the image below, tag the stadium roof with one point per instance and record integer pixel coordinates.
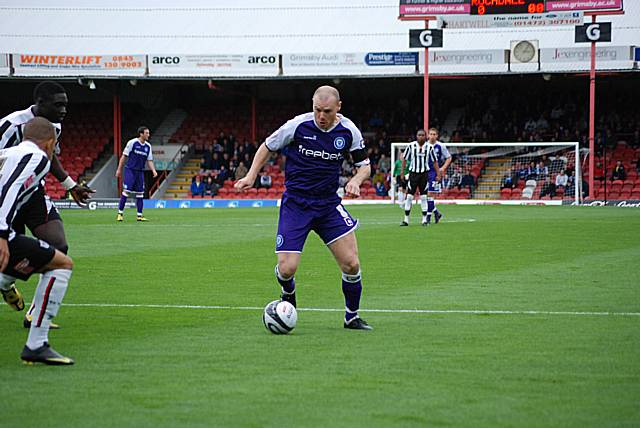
(251, 27)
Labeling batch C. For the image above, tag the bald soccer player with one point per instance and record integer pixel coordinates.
(315, 145)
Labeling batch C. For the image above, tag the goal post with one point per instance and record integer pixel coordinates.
(477, 172)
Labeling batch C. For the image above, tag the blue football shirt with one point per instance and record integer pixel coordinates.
(138, 154)
(315, 156)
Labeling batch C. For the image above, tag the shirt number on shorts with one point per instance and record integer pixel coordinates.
(345, 215)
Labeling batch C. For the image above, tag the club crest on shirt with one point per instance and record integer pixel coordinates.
(23, 267)
(339, 143)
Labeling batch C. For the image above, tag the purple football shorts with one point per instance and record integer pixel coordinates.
(299, 215)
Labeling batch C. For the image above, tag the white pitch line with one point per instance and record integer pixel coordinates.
(391, 311)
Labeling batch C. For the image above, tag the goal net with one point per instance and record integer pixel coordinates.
(504, 172)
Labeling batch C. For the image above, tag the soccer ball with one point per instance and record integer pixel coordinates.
(279, 317)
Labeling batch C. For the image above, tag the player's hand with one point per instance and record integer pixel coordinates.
(155, 174)
(81, 194)
(244, 184)
(443, 172)
(118, 173)
(4, 254)
(352, 189)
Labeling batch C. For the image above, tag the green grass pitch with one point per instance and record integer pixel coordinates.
(572, 362)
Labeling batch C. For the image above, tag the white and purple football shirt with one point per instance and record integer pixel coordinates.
(315, 156)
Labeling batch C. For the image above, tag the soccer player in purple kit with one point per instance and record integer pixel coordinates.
(315, 144)
(443, 159)
(135, 155)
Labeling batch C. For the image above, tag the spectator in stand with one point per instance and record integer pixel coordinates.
(531, 171)
(381, 190)
(230, 144)
(523, 171)
(210, 188)
(455, 178)
(378, 177)
(205, 167)
(507, 180)
(221, 138)
(542, 172)
(216, 162)
(542, 125)
(225, 160)
(197, 187)
(467, 180)
(562, 179)
(548, 188)
(598, 172)
(618, 171)
(570, 188)
(241, 171)
(223, 174)
(384, 164)
(530, 125)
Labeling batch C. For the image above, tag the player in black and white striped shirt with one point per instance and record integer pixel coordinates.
(22, 168)
(40, 216)
(420, 156)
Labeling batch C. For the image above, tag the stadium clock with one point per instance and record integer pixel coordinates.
(502, 7)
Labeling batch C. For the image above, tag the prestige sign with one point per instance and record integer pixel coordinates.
(79, 65)
(260, 65)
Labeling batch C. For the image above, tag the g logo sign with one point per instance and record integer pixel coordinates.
(426, 39)
(593, 32)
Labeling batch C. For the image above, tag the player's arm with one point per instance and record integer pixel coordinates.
(447, 162)
(80, 193)
(352, 187)
(260, 158)
(404, 157)
(152, 167)
(432, 155)
(123, 160)
(124, 157)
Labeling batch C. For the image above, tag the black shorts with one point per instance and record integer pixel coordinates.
(27, 256)
(417, 181)
(37, 211)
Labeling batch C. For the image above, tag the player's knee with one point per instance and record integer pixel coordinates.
(60, 261)
(351, 267)
(287, 269)
(67, 263)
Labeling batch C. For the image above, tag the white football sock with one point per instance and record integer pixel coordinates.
(47, 300)
(408, 202)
